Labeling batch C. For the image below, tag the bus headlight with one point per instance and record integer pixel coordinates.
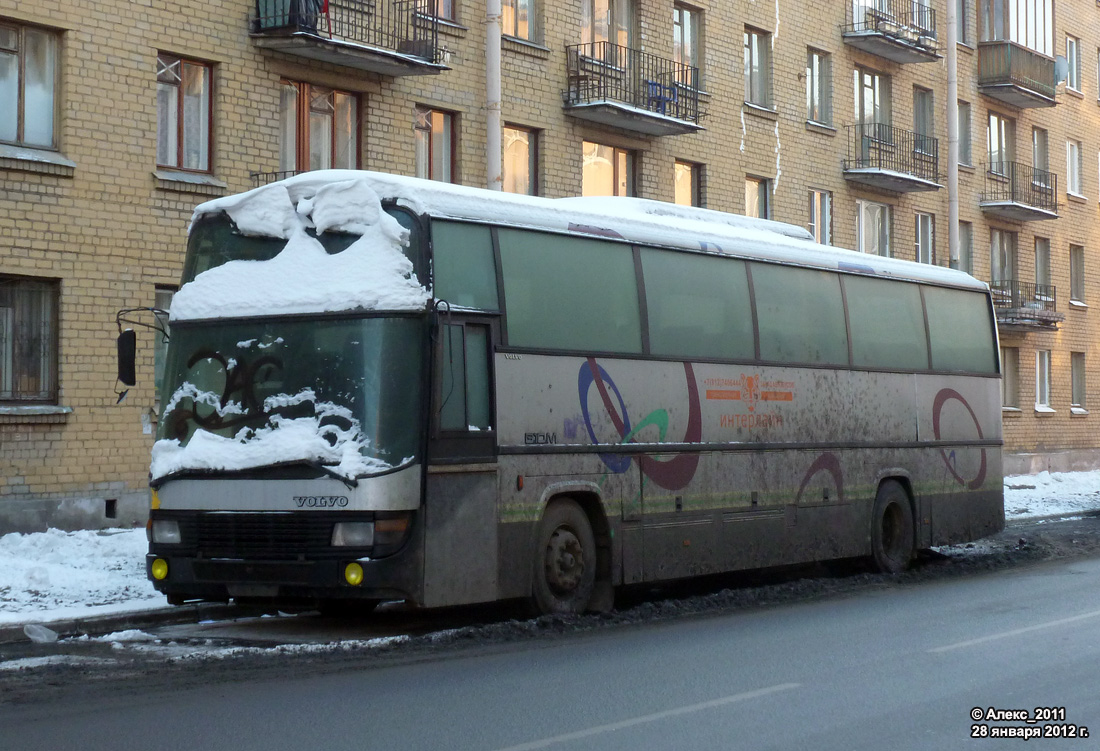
(353, 534)
(166, 531)
(391, 530)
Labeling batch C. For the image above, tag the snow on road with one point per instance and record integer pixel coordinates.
(58, 575)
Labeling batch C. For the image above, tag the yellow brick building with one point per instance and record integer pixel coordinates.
(116, 119)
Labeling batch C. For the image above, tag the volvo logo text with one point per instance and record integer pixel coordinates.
(321, 501)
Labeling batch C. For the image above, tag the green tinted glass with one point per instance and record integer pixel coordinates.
(465, 275)
(801, 315)
(698, 305)
(887, 323)
(961, 330)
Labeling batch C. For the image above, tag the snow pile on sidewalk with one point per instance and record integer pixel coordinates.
(56, 575)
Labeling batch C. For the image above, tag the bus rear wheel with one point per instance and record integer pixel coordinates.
(892, 540)
(564, 560)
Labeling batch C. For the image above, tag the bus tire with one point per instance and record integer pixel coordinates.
(892, 539)
(565, 560)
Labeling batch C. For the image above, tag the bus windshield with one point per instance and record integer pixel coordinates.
(343, 395)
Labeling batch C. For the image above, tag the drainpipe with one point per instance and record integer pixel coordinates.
(952, 134)
(492, 94)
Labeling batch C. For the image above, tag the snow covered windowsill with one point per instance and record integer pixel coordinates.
(190, 182)
(35, 160)
(29, 413)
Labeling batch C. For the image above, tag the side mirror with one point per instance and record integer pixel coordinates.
(127, 356)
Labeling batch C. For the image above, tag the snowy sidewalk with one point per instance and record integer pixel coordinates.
(63, 576)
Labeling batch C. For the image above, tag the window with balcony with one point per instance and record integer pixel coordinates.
(966, 155)
(1073, 63)
(1077, 274)
(1077, 385)
(183, 113)
(28, 86)
(1002, 255)
(606, 170)
(1002, 143)
(821, 216)
(1029, 23)
(873, 228)
(1042, 265)
(319, 128)
(966, 247)
(520, 163)
(1042, 381)
(28, 340)
(757, 197)
(872, 99)
(758, 68)
(924, 120)
(1010, 378)
(686, 27)
(435, 144)
(688, 178)
(608, 21)
(925, 233)
(518, 19)
(1073, 167)
(819, 87)
(445, 9)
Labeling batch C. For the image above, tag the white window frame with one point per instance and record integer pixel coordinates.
(1042, 381)
(966, 247)
(520, 148)
(1073, 61)
(1010, 379)
(819, 85)
(1077, 274)
(865, 236)
(1078, 393)
(925, 234)
(821, 216)
(1073, 168)
(758, 68)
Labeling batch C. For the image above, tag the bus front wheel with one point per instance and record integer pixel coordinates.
(892, 540)
(565, 560)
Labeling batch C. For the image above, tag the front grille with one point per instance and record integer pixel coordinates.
(263, 536)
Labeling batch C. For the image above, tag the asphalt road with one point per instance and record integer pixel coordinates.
(899, 667)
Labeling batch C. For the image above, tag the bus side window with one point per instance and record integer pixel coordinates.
(464, 378)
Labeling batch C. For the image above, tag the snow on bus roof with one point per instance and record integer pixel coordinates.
(631, 219)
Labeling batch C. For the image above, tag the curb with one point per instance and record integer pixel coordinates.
(98, 625)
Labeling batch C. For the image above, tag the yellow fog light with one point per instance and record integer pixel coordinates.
(159, 569)
(353, 573)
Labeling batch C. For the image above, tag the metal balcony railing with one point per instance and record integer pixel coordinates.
(1011, 182)
(601, 71)
(1010, 294)
(1003, 63)
(406, 26)
(884, 147)
(907, 20)
(264, 178)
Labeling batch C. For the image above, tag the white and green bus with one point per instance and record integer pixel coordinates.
(383, 388)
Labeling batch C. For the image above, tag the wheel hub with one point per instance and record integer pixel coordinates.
(564, 561)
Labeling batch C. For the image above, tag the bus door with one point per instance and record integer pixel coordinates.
(460, 507)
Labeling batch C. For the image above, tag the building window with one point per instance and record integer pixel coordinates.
(1040, 150)
(821, 216)
(1002, 255)
(966, 155)
(183, 113)
(873, 228)
(1042, 266)
(1073, 61)
(819, 82)
(162, 300)
(685, 44)
(1027, 22)
(925, 238)
(518, 19)
(924, 120)
(758, 84)
(435, 145)
(607, 21)
(1002, 143)
(445, 9)
(966, 247)
(1042, 379)
(606, 170)
(1077, 273)
(319, 128)
(688, 184)
(28, 86)
(520, 163)
(28, 340)
(757, 198)
(1077, 376)
(1073, 167)
(962, 21)
(1010, 377)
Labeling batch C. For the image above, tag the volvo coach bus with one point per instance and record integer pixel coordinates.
(384, 388)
